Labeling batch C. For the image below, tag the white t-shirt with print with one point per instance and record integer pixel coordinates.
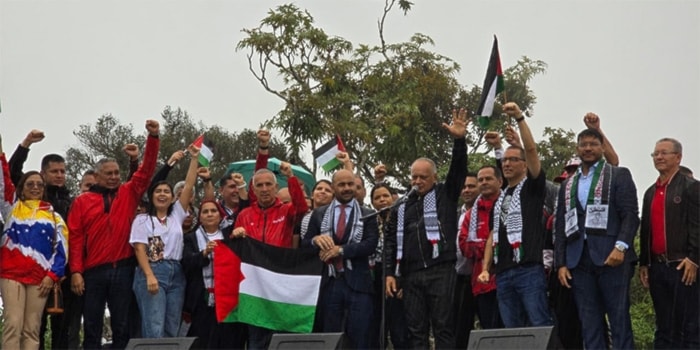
(163, 241)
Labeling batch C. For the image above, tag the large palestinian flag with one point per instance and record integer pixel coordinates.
(493, 84)
(266, 286)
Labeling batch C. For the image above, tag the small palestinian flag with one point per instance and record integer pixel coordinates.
(266, 286)
(493, 84)
(206, 149)
(325, 155)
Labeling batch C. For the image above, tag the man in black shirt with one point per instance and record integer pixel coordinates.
(518, 237)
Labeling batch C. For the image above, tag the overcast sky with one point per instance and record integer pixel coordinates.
(65, 63)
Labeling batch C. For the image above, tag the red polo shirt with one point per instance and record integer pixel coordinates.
(658, 218)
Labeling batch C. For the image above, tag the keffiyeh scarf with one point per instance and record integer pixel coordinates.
(356, 231)
(511, 216)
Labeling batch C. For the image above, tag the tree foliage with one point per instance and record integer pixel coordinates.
(107, 137)
(387, 102)
(556, 148)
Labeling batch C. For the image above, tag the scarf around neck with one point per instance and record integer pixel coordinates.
(512, 218)
(356, 230)
(431, 222)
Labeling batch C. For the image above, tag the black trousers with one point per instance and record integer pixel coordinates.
(464, 306)
(428, 296)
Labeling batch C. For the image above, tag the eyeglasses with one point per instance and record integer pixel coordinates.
(34, 184)
(661, 153)
(512, 159)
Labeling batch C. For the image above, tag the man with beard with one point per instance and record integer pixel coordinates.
(596, 221)
(345, 243)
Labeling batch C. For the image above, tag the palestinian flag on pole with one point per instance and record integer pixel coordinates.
(325, 155)
(493, 84)
(206, 149)
(266, 286)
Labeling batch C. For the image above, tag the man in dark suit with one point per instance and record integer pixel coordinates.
(345, 243)
(668, 259)
(597, 219)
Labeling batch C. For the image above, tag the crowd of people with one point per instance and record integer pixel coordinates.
(502, 245)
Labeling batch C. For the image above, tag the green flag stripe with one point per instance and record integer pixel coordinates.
(289, 317)
(334, 163)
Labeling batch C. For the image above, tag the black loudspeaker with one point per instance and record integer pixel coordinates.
(160, 343)
(310, 341)
(511, 338)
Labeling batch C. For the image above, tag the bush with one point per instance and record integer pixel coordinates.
(641, 311)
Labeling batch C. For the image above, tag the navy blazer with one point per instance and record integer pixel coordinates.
(623, 222)
(359, 278)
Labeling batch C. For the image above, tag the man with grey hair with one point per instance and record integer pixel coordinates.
(270, 221)
(668, 260)
(100, 256)
(421, 244)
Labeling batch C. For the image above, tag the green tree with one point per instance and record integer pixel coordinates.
(556, 148)
(387, 102)
(106, 138)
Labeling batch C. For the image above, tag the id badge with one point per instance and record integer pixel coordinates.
(571, 220)
(597, 216)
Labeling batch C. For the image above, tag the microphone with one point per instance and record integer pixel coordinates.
(413, 190)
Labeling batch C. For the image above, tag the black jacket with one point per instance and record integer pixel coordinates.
(682, 216)
(417, 250)
(192, 263)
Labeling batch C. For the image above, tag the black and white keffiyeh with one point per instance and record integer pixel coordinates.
(512, 218)
(356, 231)
(208, 271)
(431, 222)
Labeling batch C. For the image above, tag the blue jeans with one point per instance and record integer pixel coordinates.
(601, 290)
(676, 308)
(161, 313)
(109, 284)
(522, 296)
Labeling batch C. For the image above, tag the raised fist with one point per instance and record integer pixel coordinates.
(238, 179)
(131, 150)
(286, 169)
(153, 127)
(263, 138)
(34, 136)
(493, 138)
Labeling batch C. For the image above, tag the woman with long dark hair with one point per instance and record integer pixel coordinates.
(32, 260)
(321, 195)
(157, 238)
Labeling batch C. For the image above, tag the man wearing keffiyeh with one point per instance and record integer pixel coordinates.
(518, 236)
(344, 242)
(421, 244)
(597, 219)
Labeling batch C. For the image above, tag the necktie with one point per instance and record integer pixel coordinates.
(339, 233)
(340, 227)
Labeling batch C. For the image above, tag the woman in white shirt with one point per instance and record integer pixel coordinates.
(157, 238)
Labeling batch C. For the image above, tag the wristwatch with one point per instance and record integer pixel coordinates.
(340, 251)
(620, 247)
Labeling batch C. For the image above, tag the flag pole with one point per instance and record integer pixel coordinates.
(505, 100)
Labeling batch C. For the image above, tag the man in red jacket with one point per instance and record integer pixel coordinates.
(100, 257)
(270, 221)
